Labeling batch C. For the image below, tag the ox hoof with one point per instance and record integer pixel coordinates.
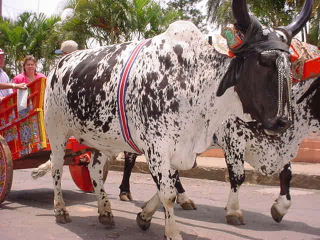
(235, 220)
(177, 237)
(144, 205)
(107, 220)
(276, 215)
(125, 196)
(189, 205)
(63, 218)
(143, 224)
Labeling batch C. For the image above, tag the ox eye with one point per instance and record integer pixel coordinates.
(283, 39)
(282, 36)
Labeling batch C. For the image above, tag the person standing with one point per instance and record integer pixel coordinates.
(5, 85)
(29, 73)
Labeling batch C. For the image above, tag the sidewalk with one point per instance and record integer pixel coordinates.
(305, 175)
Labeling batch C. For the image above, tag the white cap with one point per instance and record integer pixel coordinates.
(1, 52)
(67, 47)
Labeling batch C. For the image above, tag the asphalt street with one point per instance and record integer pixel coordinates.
(27, 213)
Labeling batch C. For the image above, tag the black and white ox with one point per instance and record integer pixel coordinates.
(159, 97)
(248, 142)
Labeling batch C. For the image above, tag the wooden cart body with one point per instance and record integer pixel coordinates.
(24, 143)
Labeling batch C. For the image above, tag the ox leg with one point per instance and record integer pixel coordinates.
(283, 202)
(96, 166)
(57, 161)
(42, 170)
(165, 181)
(234, 214)
(182, 199)
(167, 194)
(129, 162)
(148, 209)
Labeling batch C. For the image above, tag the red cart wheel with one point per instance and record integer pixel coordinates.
(6, 169)
(81, 176)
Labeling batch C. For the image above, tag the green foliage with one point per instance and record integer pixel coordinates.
(109, 21)
(314, 34)
(149, 19)
(27, 35)
(104, 21)
(188, 11)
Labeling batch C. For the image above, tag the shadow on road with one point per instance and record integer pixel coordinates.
(125, 229)
(43, 198)
(256, 221)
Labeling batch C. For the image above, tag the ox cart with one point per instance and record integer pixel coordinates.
(24, 144)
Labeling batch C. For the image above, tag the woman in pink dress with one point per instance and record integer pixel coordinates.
(29, 71)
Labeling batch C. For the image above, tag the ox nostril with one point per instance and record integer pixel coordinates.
(269, 123)
(283, 123)
(277, 124)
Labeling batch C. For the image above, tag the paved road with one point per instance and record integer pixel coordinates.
(27, 212)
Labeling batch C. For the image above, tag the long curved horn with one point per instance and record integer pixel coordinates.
(299, 22)
(241, 14)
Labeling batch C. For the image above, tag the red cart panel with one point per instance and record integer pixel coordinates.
(24, 131)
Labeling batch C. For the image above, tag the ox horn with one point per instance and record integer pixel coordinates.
(299, 22)
(241, 14)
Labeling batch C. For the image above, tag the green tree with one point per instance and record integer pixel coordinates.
(314, 34)
(104, 20)
(24, 36)
(109, 21)
(188, 11)
(150, 19)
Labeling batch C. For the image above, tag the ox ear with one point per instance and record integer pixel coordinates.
(226, 83)
(231, 77)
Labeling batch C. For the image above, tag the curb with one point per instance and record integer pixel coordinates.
(299, 180)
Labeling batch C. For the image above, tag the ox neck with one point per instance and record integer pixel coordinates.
(211, 67)
(306, 120)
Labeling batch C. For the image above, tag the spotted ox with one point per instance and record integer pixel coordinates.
(268, 154)
(164, 97)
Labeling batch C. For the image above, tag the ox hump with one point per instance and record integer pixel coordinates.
(183, 31)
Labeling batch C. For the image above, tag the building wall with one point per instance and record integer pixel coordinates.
(309, 151)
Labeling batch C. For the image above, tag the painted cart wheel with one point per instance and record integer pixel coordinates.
(81, 176)
(6, 169)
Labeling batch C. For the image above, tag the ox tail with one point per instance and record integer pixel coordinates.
(42, 170)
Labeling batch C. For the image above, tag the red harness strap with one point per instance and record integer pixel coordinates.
(122, 88)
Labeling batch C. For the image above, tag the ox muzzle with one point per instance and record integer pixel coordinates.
(276, 125)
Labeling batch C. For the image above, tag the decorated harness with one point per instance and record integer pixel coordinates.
(121, 97)
(305, 58)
